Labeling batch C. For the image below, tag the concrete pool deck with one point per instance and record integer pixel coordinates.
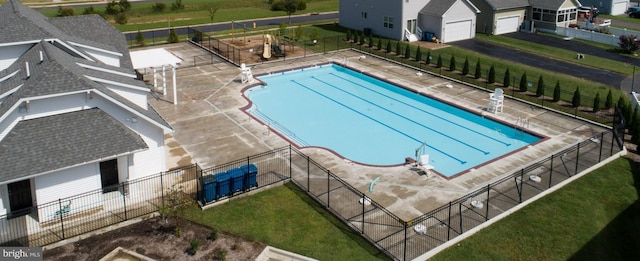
(210, 129)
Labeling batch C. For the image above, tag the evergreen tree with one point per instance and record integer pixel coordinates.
(173, 36)
(608, 102)
(407, 51)
(388, 46)
(556, 92)
(140, 39)
(465, 67)
(576, 100)
(506, 81)
(428, 58)
(596, 103)
(452, 63)
(349, 35)
(491, 78)
(523, 82)
(478, 74)
(418, 54)
(439, 63)
(540, 89)
(398, 48)
(379, 43)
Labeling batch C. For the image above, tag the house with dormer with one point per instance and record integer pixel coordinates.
(73, 116)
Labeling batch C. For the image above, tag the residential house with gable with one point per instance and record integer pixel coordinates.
(412, 20)
(73, 116)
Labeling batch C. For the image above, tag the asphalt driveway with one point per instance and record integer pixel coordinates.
(588, 73)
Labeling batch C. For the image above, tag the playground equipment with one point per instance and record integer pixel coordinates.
(268, 39)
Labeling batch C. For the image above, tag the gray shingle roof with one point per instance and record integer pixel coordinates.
(60, 141)
(507, 4)
(438, 7)
(547, 4)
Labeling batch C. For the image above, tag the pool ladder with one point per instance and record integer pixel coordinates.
(270, 123)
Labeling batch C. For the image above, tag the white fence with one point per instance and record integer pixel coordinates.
(609, 39)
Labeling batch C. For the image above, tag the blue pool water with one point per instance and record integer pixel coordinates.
(373, 122)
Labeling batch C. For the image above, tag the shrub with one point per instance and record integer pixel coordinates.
(299, 32)
(608, 102)
(90, 10)
(628, 43)
(173, 36)
(478, 74)
(452, 64)
(523, 82)
(465, 67)
(213, 235)
(65, 11)
(388, 46)
(140, 39)
(407, 51)
(540, 89)
(428, 58)
(576, 100)
(379, 43)
(491, 78)
(507, 78)
(195, 245)
(159, 7)
(177, 5)
(556, 92)
(439, 63)
(121, 18)
(178, 231)
(418, 54)
(398, 48)
(220, 254)
(596, 103)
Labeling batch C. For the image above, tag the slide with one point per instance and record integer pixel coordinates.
(266, 53)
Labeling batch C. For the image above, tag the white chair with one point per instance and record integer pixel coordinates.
(496, 101)
(247, 76)
(424, 163)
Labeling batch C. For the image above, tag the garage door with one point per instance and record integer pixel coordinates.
(456, 31)
(507, 24)
(619, 8)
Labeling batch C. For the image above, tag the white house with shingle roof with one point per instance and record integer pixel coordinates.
(73, 117)
(448, 20)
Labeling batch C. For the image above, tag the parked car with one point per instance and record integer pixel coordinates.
(633, 12)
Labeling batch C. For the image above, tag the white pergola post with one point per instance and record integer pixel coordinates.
(164, 81)
(155, 81)
(175, 89)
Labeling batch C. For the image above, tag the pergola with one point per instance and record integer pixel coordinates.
(154, 59)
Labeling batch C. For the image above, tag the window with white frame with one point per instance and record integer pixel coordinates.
(388, 22)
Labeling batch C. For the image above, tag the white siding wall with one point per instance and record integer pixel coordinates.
(351, 16)
(135, 96)
(104, 57)
(63, 184)
(9, 54)
(4, 199)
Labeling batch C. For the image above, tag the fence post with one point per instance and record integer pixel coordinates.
(449, 223)
(364, 199)
(486, 216)
(601, 144)
(577, 159)
(61, 219)
(124, 202)
(290, 167)
(460, 216)
(521, 184)
(404, 256)
(308, 174)
(328, 187)
(161, 190)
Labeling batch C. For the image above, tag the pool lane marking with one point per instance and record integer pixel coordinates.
(381, 123)
(403, 117)
(382, 94)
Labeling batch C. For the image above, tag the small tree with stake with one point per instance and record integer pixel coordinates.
(523, 82)
(596, 103)
(465, 67)
(577, 98)
(452, 64)
(540, 89)
(556, 92)
(478, 74)
(507, 78)
(491, 78)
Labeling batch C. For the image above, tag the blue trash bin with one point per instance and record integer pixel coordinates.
(237, 176)
(222, 184)
(250, 173)
(209, 188)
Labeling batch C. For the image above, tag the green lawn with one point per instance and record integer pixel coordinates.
(594, 218)
(285, 217)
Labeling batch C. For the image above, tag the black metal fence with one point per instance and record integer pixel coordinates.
(68, 217)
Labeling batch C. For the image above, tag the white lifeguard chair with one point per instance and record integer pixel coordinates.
(247, 76)
(496, 101)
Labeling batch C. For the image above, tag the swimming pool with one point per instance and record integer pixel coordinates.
(370, 121)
